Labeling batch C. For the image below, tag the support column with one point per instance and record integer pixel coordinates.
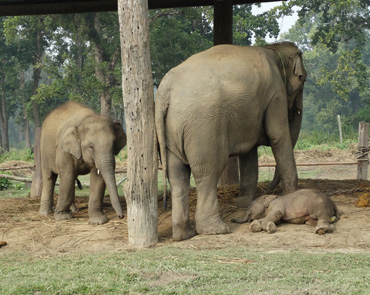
(138, 98)
(223, 22)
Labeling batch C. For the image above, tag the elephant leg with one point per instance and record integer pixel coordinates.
(97, 189)
(272, 218)
(66, 195)
(277, 130)
(207, 217)
(275, 181)
(248, 178)
(179, 179)
(322, 214)
(47, 195)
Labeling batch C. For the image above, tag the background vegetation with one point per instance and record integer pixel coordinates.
(45, 61)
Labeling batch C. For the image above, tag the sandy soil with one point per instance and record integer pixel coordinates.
(23, 230)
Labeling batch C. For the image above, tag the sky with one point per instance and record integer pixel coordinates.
(285, 23)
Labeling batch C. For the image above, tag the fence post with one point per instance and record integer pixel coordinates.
(363, 150)
(340, 129)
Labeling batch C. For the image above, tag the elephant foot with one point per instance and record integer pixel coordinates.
(215, 228)
(256, 226)
(62, 215)
(321, 230)
(98, 219)
(270, 227)
(45, 211)
(73, 208)
(243, 201)
(183, 235)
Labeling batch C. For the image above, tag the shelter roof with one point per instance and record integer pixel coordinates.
(33, 7)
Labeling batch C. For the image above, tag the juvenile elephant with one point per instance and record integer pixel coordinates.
(77, 141)
(226, 101)
(309, 206)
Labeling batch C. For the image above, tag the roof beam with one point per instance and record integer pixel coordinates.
(35, 7)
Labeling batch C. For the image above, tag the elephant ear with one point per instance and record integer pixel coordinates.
(120, 137)
(298, 68)
(298, 75)
(267, 199)
(69, 141)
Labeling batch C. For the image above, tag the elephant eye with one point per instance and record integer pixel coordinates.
(91, 147)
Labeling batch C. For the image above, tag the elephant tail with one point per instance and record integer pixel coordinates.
(161, 107)
(336, 215)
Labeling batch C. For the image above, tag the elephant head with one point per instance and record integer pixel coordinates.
(95, 140)
(291, 68)
(256, 209)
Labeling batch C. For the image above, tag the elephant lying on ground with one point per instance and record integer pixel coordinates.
(77, 141)
(222, 102)
(307, 206)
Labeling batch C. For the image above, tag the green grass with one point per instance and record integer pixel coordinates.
(17, 154)
(169, 270)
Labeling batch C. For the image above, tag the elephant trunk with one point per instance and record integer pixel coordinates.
(106, 168)
(295, 122)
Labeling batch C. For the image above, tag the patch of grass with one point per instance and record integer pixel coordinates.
(15, 190)
(168, 270)
(17, 154)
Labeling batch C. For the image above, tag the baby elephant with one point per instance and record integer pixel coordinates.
(309, 206)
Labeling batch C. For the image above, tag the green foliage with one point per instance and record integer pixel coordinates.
(246, 25)
(4, 184)
(337, 63)
(334, 36)
(321, 140)
(175, 35)
(17, 155)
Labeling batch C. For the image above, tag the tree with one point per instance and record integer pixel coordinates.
(175, 35)
(137, 86)
(246, 25)
(8, 78)
(336, 58)
(30, 34)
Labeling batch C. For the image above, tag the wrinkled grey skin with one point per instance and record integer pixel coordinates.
(249, 170)
(226, 101)
(308, 206)
(77, 141)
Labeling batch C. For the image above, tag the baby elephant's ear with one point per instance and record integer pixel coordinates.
(120, 137)
(69, 142)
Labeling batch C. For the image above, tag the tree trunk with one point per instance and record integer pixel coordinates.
(36, 186)
(36, 78)
(105, 99)
(137, 86)
(26, 126)
(4, 117)
(27, 136)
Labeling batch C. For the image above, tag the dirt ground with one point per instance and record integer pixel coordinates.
(23, 230)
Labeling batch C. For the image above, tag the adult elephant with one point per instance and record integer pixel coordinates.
(249, 170)
(77, 141)
(226, 101)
